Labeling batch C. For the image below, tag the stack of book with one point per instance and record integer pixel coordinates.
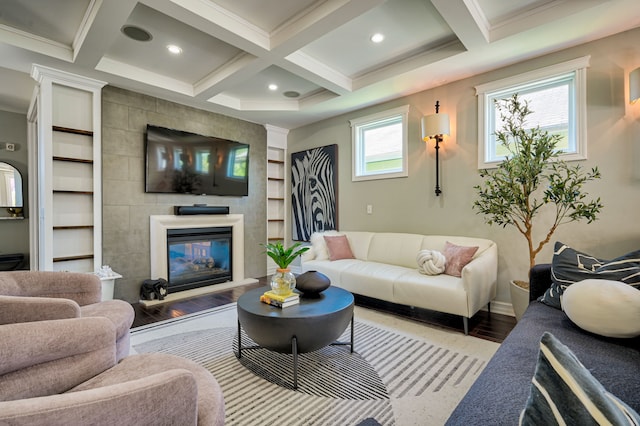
(270, 298)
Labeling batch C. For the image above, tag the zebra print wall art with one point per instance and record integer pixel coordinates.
(314, 191)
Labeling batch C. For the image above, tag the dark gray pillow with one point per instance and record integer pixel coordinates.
(570, 266)
(563, 391)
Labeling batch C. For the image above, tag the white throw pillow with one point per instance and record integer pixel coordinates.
(319, 245)
(605, 307)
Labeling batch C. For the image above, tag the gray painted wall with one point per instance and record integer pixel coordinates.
(14, 234)
(410, 205)
(126, 207)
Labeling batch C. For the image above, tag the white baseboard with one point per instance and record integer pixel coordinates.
(503, 308)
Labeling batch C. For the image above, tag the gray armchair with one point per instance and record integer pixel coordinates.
(64, 372)
(27, 296)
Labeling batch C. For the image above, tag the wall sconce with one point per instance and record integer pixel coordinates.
(434, 126)
(634, 86)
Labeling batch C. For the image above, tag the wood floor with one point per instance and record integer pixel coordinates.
(494, 327)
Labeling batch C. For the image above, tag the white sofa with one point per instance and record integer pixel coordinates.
(385, 268)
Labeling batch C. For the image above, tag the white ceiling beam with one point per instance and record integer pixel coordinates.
(302, 30)
(233, 73)
(216, 21)
(317, 72)
(447, 50)
(466, 20)
(100, 26)
(537, 16)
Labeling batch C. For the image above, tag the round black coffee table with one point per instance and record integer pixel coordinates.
(308, 326)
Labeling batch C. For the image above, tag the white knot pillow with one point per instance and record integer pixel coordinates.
(430, 262)
(608, 308)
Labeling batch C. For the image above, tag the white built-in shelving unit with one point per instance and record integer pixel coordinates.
(66, 120)
(276, 187)
(275, 194)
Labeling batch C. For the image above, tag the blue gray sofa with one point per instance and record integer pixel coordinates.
(501, 391)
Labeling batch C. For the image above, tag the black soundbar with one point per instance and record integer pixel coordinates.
(200, 209)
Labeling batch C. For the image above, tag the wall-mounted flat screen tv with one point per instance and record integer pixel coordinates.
(187, 163)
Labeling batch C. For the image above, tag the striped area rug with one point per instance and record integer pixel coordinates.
(393, 377)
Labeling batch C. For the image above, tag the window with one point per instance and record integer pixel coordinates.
(380, 145)
(557, 97)
(202, 161)
(238, 163)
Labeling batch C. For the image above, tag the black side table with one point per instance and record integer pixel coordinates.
(312, 324)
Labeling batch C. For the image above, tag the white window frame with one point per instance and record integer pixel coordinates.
(358, 124)
(541, 77)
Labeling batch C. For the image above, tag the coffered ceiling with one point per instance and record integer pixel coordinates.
(316, 54)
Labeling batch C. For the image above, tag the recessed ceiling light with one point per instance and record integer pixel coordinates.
(273, 86)
(176, 50)
(136, 33)
(291, 94)
(377, 38)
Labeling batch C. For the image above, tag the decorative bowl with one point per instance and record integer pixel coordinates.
(312, 283)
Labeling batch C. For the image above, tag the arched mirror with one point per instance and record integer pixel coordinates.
(10, 186)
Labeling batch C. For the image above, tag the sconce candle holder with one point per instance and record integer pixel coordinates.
(434, 126)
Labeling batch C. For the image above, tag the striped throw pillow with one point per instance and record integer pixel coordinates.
(563, 391)
(570, 266)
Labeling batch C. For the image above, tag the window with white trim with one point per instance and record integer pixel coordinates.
(379, 144)
(557, 98)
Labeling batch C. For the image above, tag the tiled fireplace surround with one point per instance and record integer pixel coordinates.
(127, 208)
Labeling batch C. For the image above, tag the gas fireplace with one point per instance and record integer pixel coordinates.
(198, 253)
(198, 257)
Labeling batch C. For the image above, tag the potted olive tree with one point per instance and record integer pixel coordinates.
(283, 281)
(532, 181)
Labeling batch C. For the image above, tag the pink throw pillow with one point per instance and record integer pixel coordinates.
(457, 258)
(338, 248)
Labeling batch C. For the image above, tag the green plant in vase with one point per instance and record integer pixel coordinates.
(283, 281)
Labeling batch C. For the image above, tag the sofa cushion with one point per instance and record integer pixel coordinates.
(500, 393)
(570, 266)
(329, 268)
(371, 279)
(338, 247)
(608, 308)
(395, 248)
(457, 258)
(443, 293)
(563, 391)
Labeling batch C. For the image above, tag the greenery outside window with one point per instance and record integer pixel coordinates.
(238, 163)
(380, 145)
(557, 97)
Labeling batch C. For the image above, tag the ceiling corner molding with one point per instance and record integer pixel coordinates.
(419, 60)
(140, 75)
(332, 79)
(87, 21)
(35, 43)
(225, 19)
(227, 73)
(40, 72)
(480, 18)
(226, 101)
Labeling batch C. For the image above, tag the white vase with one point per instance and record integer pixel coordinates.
(283, 282)
(519, 299)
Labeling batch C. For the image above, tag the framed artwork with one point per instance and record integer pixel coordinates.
(314, 191)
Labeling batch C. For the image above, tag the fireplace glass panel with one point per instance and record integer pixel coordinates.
(198, 257)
